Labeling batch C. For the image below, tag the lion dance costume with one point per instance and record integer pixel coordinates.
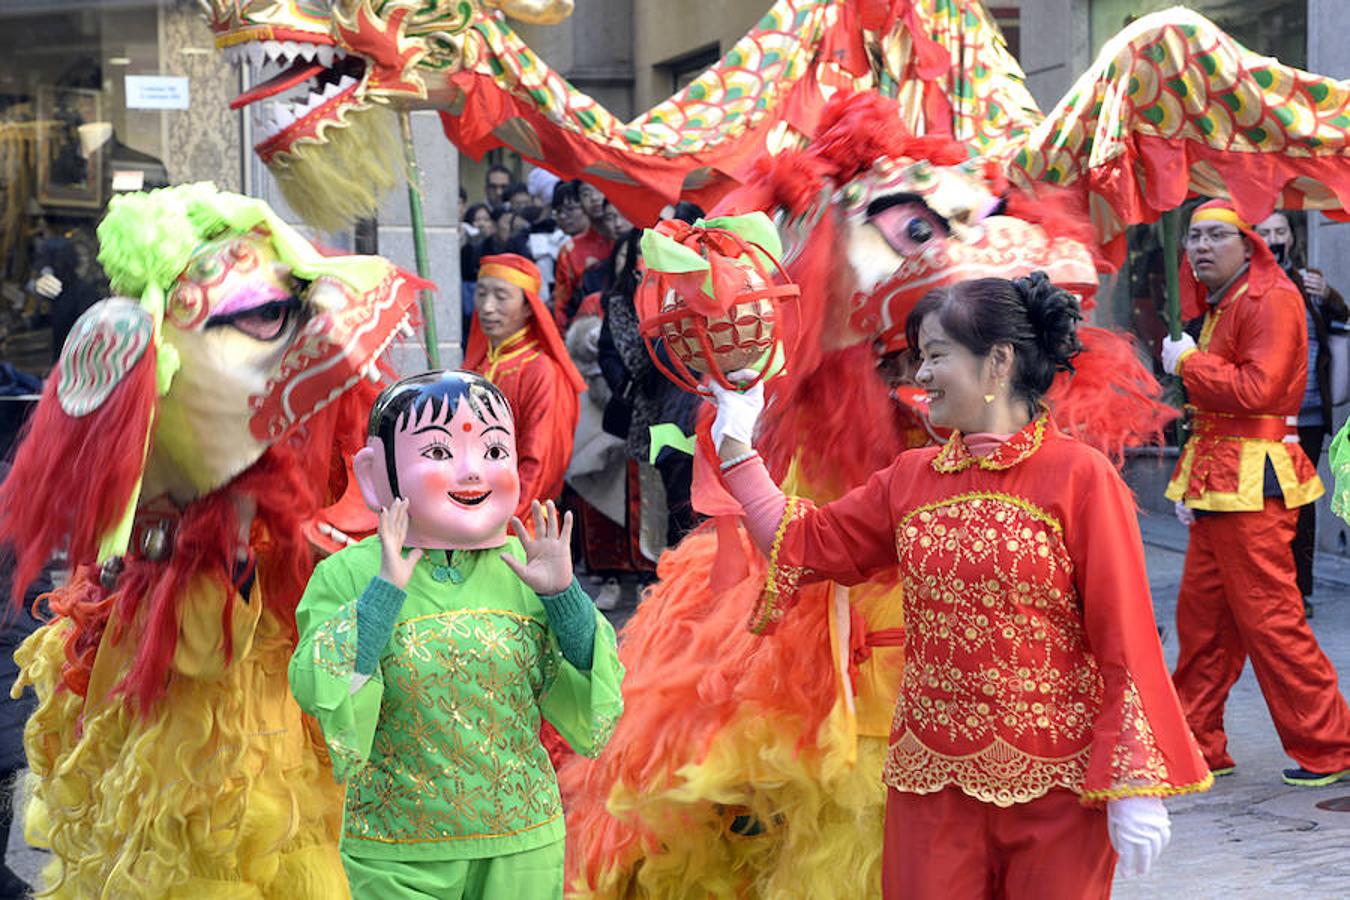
(192, 426)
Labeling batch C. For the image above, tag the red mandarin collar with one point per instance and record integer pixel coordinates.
(955, 456)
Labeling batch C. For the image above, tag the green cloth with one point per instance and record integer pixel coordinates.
(530, 875)
(572, 617)
(440, 747)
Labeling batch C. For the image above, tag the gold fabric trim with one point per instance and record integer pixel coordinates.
(1023, 504)
(782, 579)
(956, 457)
(999, 773)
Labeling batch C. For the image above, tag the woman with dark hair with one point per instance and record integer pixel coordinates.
(1036, 728)
(640, 396)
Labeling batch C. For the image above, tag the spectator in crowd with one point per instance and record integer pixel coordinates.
(546, 238)
(640, 395)
(1323, 305)
(475, 227)
(583, 250)
(519, 200)
(593, 205)
(495, 183)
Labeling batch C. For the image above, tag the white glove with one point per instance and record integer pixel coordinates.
(1139, 829)
(1185, 515)
(737, 411)
(48, 285)
(1172, 350)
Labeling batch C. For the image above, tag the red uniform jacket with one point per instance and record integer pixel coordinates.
(1032, 661)
(590, 248)
(1245, 384)
(544, 404)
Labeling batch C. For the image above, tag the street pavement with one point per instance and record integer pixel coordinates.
(1250, 836)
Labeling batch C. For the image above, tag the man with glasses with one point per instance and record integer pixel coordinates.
(1243, 476)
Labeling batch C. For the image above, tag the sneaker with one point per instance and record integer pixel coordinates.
(609, 596)
(1304, 778)
(1222, 771)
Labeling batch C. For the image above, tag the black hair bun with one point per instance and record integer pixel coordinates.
(1054, 314)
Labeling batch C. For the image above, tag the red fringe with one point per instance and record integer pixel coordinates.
(72, 477)
(288, 483)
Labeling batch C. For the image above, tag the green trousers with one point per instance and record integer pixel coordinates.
(532, 875)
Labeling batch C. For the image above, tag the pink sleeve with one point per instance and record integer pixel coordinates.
(764, 502)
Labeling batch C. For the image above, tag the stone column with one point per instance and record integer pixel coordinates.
(1056, 47)
(202, 142)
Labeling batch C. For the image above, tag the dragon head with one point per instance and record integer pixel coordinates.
(327, 73)
(230, 332)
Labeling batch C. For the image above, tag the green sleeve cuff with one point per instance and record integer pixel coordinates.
(571, 615)
(376, 614)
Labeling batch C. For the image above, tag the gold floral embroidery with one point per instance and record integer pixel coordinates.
(997, 664)
(334, 643)
(783, 579)
(956, 457)
(999, 773)
(1136, 760)
(457, 752)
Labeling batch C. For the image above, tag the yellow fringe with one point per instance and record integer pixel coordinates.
(221, 792)
(821, 821)
(346, 172)
(1149, 790)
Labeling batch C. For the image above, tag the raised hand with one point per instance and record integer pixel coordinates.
(548, 555)
(396, 568)
(737, 413)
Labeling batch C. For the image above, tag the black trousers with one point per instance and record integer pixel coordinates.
(1305, 533)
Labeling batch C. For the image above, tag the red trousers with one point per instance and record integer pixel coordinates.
(950, 846)
(1239, 599)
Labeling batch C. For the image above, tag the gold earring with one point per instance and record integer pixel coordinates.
(988, 399)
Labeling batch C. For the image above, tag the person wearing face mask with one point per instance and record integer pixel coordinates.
(514, 343)
(430, 653)
(1242, 476)
(1323, 305)
(1036, 729)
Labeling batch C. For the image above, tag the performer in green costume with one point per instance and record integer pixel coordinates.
(429, 671)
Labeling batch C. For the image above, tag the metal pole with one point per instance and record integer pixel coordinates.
(1171, 221)
(420, 241)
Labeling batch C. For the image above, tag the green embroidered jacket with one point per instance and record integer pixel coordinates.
(440, 748)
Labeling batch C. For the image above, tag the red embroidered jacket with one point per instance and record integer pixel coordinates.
(1032, 661)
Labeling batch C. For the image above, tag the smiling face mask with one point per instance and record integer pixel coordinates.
(446, 442)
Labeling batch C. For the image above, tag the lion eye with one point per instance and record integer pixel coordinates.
(920, 231)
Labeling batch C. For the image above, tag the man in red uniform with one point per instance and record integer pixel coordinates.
(1245, 476)
(584, 249)
(514, 343)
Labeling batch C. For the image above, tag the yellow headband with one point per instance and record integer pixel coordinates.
(1219, 214)
(510, 276)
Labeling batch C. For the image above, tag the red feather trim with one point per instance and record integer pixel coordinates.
(1110, 401)
(72, 477)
